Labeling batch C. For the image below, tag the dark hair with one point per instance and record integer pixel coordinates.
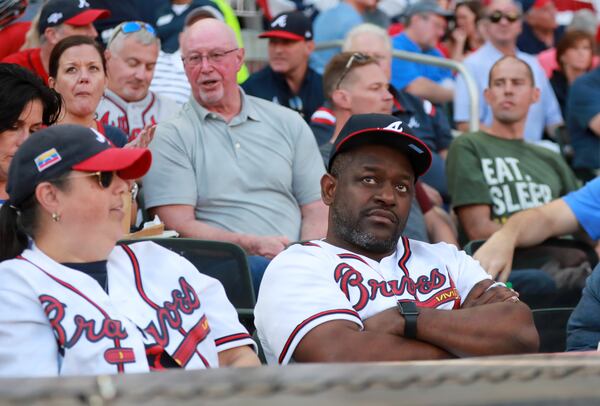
(514, 58)
(70, 42)
(475, 6)
(337, 66)
(16, 224)
(19, 87)
(569, 40)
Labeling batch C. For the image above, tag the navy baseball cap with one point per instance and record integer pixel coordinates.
(293, 25)
(49, 153)
(382, 129)
(73, 12)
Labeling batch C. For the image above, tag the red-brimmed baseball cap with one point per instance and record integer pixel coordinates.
(73, 12)
(53, 151)
(294, 26)
(382, 129)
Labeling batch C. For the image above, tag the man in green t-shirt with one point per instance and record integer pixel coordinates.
(494, 174)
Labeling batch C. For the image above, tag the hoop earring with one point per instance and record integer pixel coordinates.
(56, 217)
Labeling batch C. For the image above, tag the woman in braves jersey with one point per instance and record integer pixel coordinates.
(77, 70)
(26, 105)
(76, 302)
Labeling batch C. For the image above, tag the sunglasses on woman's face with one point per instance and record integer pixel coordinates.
(104, 178)
(498, 15)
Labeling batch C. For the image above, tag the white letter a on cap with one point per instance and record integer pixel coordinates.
(281, 22)
(396, 126)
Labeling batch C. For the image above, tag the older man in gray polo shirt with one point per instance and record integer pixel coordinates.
(233, 167)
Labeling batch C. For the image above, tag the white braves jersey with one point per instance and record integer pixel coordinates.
(132, 117)
(56, 320)
(313, 283)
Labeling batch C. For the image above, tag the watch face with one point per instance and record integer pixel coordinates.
(408, 308)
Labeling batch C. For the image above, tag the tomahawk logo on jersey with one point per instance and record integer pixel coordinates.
(316, 282)
(133, 117)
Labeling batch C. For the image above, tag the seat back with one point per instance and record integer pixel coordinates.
(221, 260)
(551, 324)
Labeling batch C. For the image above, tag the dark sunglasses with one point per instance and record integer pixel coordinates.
(358, 57)
(498, 15)
(104, 178)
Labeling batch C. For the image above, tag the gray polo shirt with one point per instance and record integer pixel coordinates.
(250, 175)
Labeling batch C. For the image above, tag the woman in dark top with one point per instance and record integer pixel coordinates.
(574, 54)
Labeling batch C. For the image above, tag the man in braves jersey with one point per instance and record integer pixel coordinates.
(130, 60)
(58, 19)
(72, 301)
(365, 294)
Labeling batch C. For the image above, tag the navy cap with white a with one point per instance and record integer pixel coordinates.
(382, 129)
(294, 26)
(49, 153)
(73, 12)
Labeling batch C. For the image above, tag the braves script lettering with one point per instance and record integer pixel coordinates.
(184, 301)
(55, 310)
(349, 278)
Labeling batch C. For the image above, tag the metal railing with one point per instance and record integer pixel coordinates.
(432, 60)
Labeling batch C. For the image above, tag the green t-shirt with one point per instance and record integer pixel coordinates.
(509, 175)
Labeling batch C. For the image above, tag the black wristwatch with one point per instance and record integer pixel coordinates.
(410, 311)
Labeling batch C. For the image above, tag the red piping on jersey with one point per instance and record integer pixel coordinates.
(300, 326)
(67, 285)
(353, 256)
(147, 109)
(405, 256)
(231, 338)
(140, 289)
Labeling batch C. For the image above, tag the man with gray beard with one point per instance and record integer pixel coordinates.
(364, 293)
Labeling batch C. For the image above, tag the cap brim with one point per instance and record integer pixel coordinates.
(282, 35)
(88, 17)
(418, 153)
(130, 163)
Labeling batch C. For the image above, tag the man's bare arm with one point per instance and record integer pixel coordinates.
(314, 220)
(428, 89)
(525, 229)
(182, 219)
(342, 341)
(490, 322)
(476, 221)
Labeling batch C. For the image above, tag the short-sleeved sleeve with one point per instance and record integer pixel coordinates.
(222, 316)
(585, 204)
(296, 295)
(466, 182)
(171, 179)
(308, 167)
(27, 343)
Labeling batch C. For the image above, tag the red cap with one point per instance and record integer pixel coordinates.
(129, 163)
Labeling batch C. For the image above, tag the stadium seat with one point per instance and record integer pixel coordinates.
(551, 325)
